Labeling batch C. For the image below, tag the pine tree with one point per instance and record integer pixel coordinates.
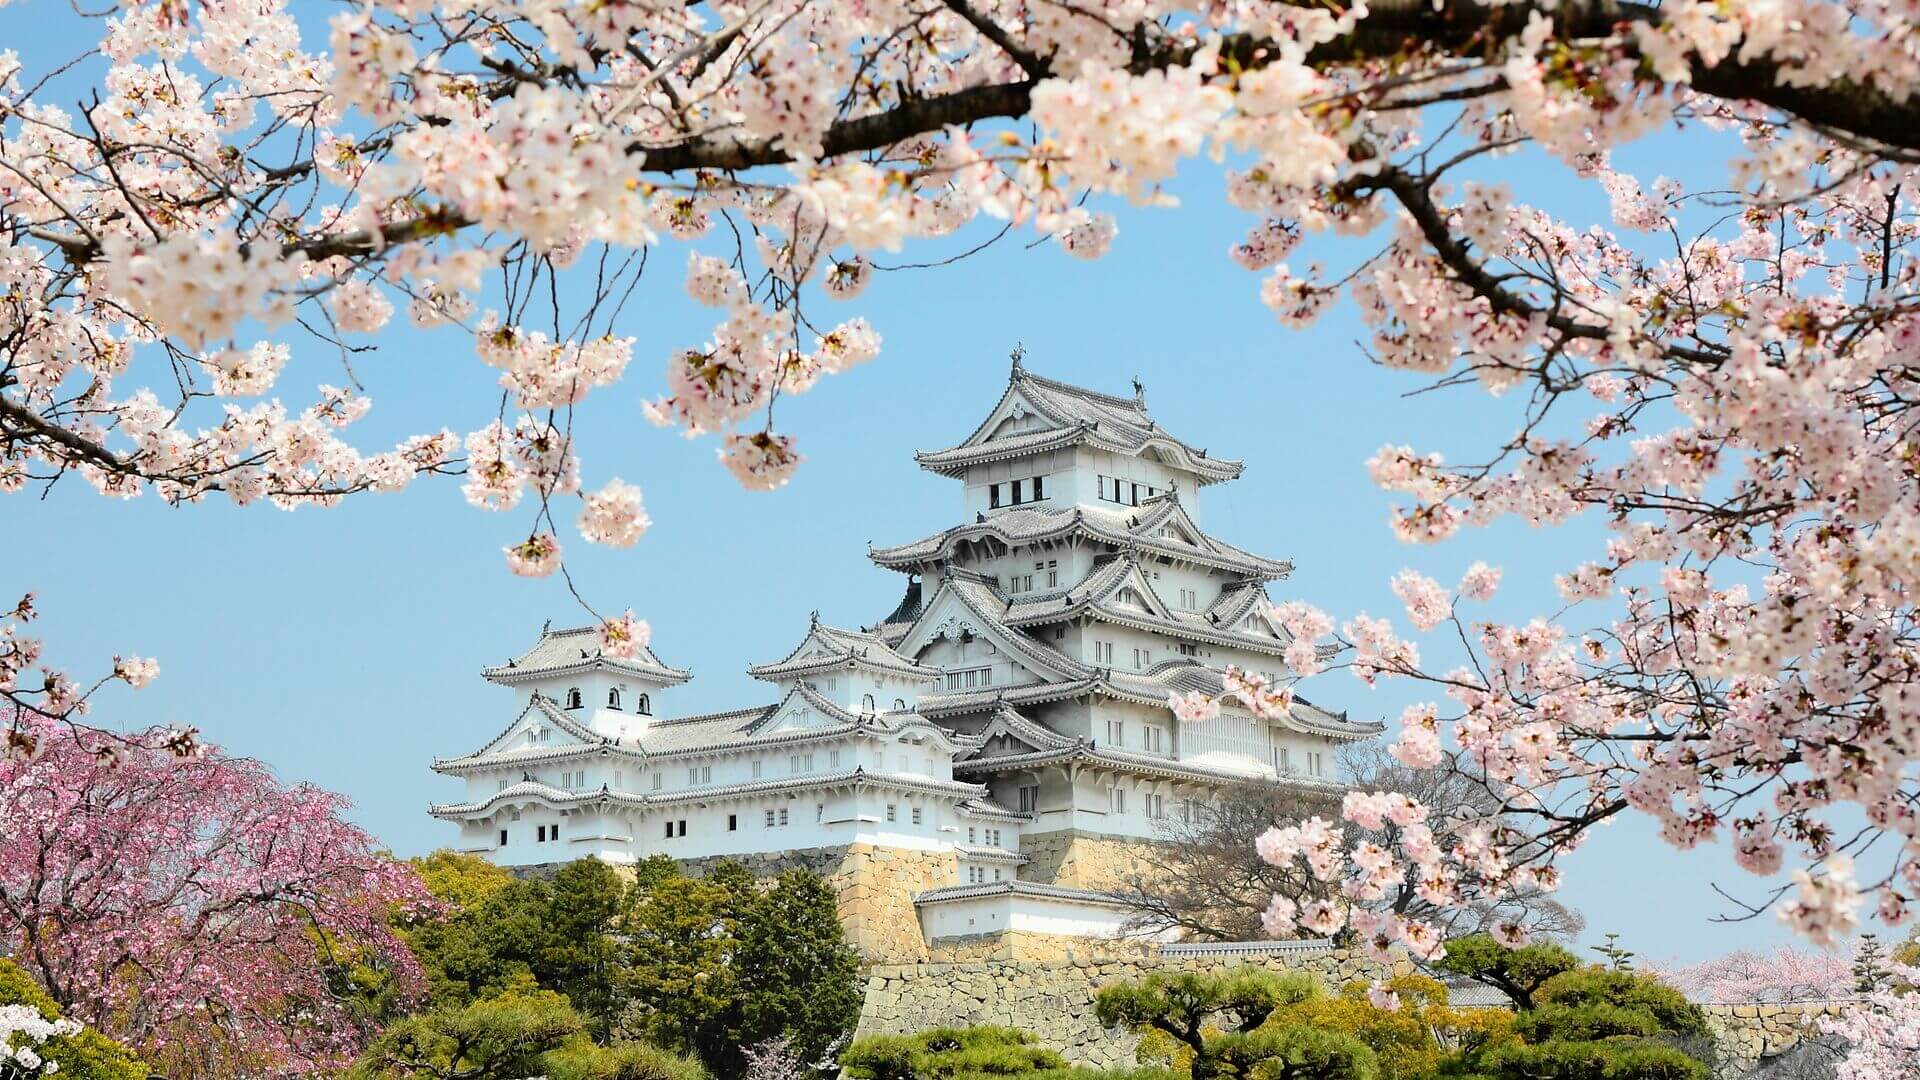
(1869, 965)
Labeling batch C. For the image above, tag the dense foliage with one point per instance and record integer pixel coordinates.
(1220, 1021)
(974, 1053)
(704, 965)
(1580, 1021)
(196, 910)
(517, 1033)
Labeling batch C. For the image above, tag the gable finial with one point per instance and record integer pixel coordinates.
(546, 626)
(814, 619)
(1019, 353)
(1139, 392)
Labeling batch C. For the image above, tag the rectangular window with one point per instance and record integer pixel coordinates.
(1153, 739)
(502, 787)
(1019, 492)
(1053, 579)
(756, 770)
(503, 838)
(807, 762)
(1156, 806)
(1039, 488)
(1119, 800)
(916, 815)
(970, 834)
(1103, 652)
(693, 775)
(1280, 761)
(833, 759)
(733, 822)
(1059, 633)
(793, 763)
(1116, 733)
(892, 814)
(993, 496)
(683, 826)
(669, 830)
(1029, 798)
(993, 837)
(706, 774)
(1142, 658)
(783, 815)
(656, 781)
(769, 819)
(1026, 583)
(540, 834)
(819, 812)
(1189, 650)
(1136, 494)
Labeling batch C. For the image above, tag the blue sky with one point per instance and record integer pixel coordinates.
(343, 646)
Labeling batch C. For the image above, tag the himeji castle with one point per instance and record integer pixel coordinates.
(974, 769)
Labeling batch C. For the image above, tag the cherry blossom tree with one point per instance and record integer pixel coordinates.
(1781, 974)
(1883, 1033)
(1722, 375)
(193, 907)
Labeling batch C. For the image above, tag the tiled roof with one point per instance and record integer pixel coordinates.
(843, 649)
(1081, 416)
(1096, 595)
(1006, 721)
(560, 652)
(1015, 887)
(989, 810)
(706, 733)
(1140, 527)
(858, 777)
(1127, 761)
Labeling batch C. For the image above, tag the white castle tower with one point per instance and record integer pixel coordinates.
(986, 760)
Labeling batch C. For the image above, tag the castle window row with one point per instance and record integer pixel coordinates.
(1016, 492)
(642, 705)
(1125, 492)
(1047, 571)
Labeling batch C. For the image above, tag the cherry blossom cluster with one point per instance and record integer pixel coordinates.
(1882, 1032)
(195, 907)
(1729, 389)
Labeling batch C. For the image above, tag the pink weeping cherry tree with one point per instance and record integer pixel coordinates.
(1721, 376)
(193, 907)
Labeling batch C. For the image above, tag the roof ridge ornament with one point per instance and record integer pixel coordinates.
(1139, 392)
(1019, 353)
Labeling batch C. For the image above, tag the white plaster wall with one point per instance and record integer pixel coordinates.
(994, 914)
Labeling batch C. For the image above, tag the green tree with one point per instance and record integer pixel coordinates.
(798, 977)
(581, 1059)
(502, 1037)
(975, 1053)
(578, 952)
(681, 935)
(1517, 973)
(87, 1055)
(717, 964)
(1220, 1019)
(1581, 1022)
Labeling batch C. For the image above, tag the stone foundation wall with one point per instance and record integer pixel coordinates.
(1079, 859)
(1746, 1035)
(1053, 998)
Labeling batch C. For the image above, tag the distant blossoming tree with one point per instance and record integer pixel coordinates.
(1723, 374)
(193, 907)
(1780, 974)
